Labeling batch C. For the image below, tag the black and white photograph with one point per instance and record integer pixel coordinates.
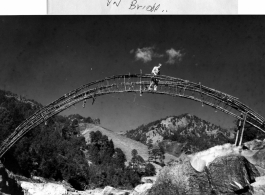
(132, 105)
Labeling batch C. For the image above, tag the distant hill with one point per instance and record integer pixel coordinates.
(185, 133)
(124, 143)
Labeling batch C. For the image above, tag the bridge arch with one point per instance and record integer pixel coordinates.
(138, 83)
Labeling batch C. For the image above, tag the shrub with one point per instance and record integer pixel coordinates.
(150, 170)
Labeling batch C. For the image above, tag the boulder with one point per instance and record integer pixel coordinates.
(148, 179)
(225, 175)
(260, 170)
(107, 190)
(201, 159)
(181, 178)
(141, 189)
(232, 174)
(254, 144)
(259, 158)
(31, 188)
(259, 186)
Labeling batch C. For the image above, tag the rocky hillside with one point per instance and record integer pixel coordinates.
(227, 171)
(181, 133)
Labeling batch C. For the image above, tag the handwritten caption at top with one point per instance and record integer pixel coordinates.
(135, 5)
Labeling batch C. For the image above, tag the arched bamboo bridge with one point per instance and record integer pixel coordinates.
(138, 83)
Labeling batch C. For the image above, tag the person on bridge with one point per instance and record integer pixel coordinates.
(154, 81)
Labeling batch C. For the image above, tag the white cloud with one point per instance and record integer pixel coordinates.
(146, 54)
(174, 56)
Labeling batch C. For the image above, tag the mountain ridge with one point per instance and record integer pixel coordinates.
(186, 129)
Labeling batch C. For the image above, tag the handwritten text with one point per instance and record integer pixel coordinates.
(137, 5)
(151, 8)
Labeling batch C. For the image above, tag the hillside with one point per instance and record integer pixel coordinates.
(124, 143)
(186, 133)
(50, 150)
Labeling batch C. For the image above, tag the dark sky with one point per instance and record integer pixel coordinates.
(44, 57)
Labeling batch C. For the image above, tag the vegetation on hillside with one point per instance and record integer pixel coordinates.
(108, 164)
(57, 151)
(52, 151)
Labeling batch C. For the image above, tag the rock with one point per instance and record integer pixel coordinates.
(30, 188)
(260, 170)
(201, 159)
(181, 178)
(259, 158)
(150, 179)
(255, 144)
(225, 175)
(107, 190)
(232, 174)
(38, 179)
(142, 189)
(259, 186)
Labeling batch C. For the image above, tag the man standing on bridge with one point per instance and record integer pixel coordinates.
(154, 81)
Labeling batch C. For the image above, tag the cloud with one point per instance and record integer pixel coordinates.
(146, 54)
(174, 56)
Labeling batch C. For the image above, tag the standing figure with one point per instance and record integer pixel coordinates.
(154, 81)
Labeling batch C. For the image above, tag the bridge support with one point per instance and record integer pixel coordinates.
(240, 133)
(237, 134)
(243, 128)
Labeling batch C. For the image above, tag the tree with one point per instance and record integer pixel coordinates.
(150, 144)
(150, 170)
(95, 136)
(150, 147)
(134, 153)
(88, 120)
(137, 163)
(74, 123)
(161, 154)
(157, 153)
(119, 158)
